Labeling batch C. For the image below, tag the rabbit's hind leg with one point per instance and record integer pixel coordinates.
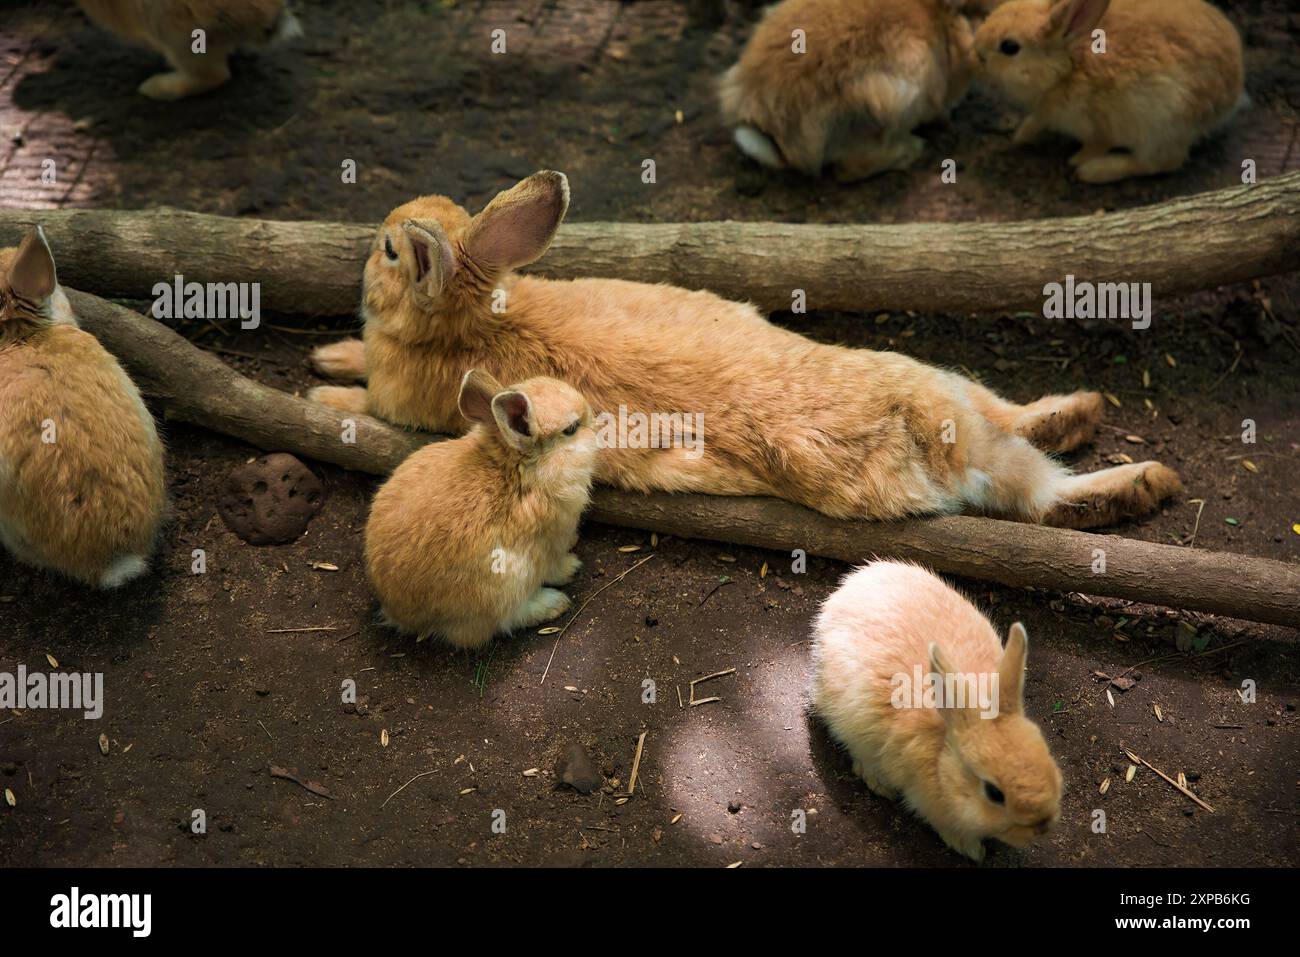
(194, 72)
(1054, 423)
(1148, 160)
(1112, 495)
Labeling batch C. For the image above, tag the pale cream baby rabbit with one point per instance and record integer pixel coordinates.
(170, 27)
(469, 537)
(974, 767)
(842, 83)
(82, 489)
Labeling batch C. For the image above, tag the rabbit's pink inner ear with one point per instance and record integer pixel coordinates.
(518, 225)
(514, 414)
(431, 248)
(32, 274)
(1072, 18)
(476, 392)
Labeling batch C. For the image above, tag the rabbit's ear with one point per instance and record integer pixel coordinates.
(517, 226)
(31, 274)
(1011, 671)
(1073, 18)
(514, 415)
(434, 262)
(476, 392)
(953, 716)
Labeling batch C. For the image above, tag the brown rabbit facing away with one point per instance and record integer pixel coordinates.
(1170, 73)
(967, 760)
(469, 537)
(167, 27)
(842, 83)
(82, 487)
(852, 433)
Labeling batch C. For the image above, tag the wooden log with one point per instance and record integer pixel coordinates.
(307, 268)
(193, 386)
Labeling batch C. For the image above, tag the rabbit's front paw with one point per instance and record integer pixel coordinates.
(542, 605)
(966, 844)
(342, 398)
(564, 570)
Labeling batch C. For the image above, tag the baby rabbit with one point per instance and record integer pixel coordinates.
(743, 407)
(81, 466)
(842, 83)
(465, 536)
(168, 26)
(972, 765)
(1171, 72)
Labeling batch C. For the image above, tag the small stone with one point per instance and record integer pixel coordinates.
(576, 769)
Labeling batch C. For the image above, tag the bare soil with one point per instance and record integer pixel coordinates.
(209, 680)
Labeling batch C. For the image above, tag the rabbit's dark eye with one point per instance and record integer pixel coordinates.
(992, 792)
(573, 429)
(389, 251)
(1009, 47)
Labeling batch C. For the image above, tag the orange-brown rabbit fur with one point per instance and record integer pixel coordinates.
(467, 536)
(849, 432)
(974, 767)
(871, 71)
(81, 466)
(167, 26)
(1170, 73)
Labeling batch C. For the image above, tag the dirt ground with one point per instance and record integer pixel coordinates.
(210, 679)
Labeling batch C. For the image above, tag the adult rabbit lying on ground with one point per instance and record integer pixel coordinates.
(81, 467)
(852, 433)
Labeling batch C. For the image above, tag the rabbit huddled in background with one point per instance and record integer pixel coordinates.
(1171, 72)
(469, 536)
(971, 770)
(168, 26)
(82, 488)
(847, 91)
(853, 433)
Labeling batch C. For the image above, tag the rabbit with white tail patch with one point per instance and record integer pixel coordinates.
(82, 487)
(842, 83)
(966, 759)
(170, 26)
(1136, 82)
(470, 537)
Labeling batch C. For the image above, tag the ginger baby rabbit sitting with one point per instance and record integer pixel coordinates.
(852, 433)
(842, 83)
(169, 27)
(469, 536)
(965, 759)
(1158, 75)
(82, 488)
